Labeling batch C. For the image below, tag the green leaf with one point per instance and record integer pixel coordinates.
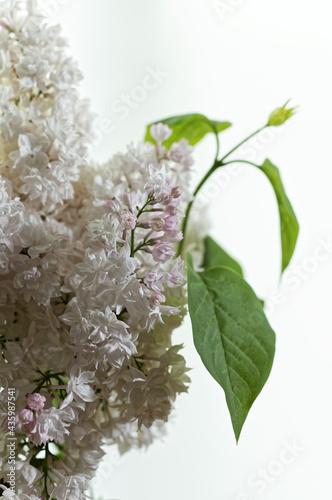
(289, 226)
(192, 127)
(214, 255)
(231, 335)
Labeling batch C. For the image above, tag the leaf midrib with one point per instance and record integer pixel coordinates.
(214, 317)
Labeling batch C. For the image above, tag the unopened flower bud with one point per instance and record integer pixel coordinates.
(280, 115)
(171, 210)
(176, 153)
(145, 224)
(128, 219)
(175, 236)
(176, 279)
(152, 277)
(157, 223)
(36, 401)
(170, 223)
(160, 132)
(176, 192)
(26, 420)
(162, 252)
(155, 298)
(25, 416)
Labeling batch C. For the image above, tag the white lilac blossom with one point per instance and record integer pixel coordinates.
(90, 285)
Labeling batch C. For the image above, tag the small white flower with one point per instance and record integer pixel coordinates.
(31, 70)
(35, 281)
(35, 239)
(107, 229)
(159, 182)
(160, 132)
(11, 217)
(150, 389)
(106, 325)
(79, 325)
(92, 268)
(78, 387)
(31, 153)
(50, 425)
(70, 487)
(6, 93)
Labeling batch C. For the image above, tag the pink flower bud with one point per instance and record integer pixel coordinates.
(152, 277)
(170, 224)
(36, 401)
(160, 132)
(176, 192)
(26, 421)
(25, 416)
(175, 236)
(157, 223)
(176, 153)
(128, 220)
(155, 298)
(175, 280)
(145, 224)
(171, 210)
(162, 252)
(165, 199)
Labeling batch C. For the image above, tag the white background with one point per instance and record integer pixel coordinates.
(236, 63)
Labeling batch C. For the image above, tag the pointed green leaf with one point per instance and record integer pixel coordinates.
(214, 255)
(192, 127)
(289, 226)
(232, 336)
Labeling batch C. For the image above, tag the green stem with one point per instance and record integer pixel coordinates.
(240, 161)
(217, 163)
(132, 243)
(217, 141)
(142, 245)
(190, 204)
(242, 142)
(139, 213)
(46, 379)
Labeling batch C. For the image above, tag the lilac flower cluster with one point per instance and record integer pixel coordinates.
(90, 285)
